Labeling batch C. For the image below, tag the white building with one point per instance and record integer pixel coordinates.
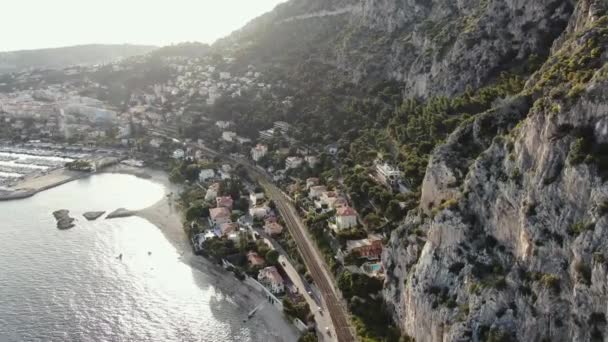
(228, 136)
(272, 280)
(311, 160)
(224, 76)
(282, 126)
(223, 124)
(256, 197)
(267, 134)
(316, 191)
(179, 154)
(212, 191)
(206, 175)
(387, 174)
(243, 140)
(155, 143)
(293, 162)
(346, 217)
(260, 211)
(258, 152)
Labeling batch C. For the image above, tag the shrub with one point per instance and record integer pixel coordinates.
(578, 151)
(580, 227)
(496, 335)
(584, 272)
(550, 282)
(599, 258)
(576, 90)
(602, 208)
(308, 337)
(451, 204)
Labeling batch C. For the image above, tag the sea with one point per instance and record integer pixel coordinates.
(72, 285)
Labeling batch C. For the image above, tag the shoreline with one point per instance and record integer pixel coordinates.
(30, 186)
(167, 217)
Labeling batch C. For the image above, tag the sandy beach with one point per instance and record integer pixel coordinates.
(166, 215)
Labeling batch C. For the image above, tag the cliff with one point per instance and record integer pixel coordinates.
(509, 240)
(435, 47)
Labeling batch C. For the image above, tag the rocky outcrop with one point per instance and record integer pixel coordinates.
(93, 215)
(120, 213)
(509, 241)
(437, 47)
(64, 221)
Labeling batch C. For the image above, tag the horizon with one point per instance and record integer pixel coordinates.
(112, 22)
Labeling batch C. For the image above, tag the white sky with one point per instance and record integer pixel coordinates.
(35, 24)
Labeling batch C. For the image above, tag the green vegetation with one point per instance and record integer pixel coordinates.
(299, 309)
(550, 282)
(308, 337)
(572, 67)
(580, 227)
(197, 210)
(370, 315)
(603, 208)
(578, 151)
(420, 126)
(272, 257)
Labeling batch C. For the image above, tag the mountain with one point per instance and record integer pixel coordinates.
(495, 111)
(433, 47)
(56, 58)
(499, 109)
(508, 243)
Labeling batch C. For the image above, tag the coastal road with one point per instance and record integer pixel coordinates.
(313, 261)
(308, 250)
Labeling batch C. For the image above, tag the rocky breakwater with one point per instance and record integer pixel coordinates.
(118, 213)
(93, 215)
(64, 221)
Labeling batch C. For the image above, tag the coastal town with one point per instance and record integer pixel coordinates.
(228, 214)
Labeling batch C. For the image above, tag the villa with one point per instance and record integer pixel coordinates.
(273, 228)
(219, 216)
(293, 162)
(272, 280)
(258, 152)
(346, 217)
(224, 202)
(206, 175)
(212, 191)
(255, 259)
(370, 248)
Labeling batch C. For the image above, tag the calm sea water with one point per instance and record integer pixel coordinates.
(69, 285)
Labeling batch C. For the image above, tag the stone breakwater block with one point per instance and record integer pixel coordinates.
(118, 213)
(93, 215)
(64, 221)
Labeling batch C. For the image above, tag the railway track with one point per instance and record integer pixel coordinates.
(313, 260)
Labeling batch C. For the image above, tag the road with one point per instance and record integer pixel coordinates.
(310, 254)
(322, 319)
(313, 261)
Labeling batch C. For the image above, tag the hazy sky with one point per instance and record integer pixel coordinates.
(34, 24)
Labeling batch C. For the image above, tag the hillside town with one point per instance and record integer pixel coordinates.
(228, 215)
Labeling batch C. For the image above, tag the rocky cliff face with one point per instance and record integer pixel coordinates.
(509, 242)
(435, 47)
